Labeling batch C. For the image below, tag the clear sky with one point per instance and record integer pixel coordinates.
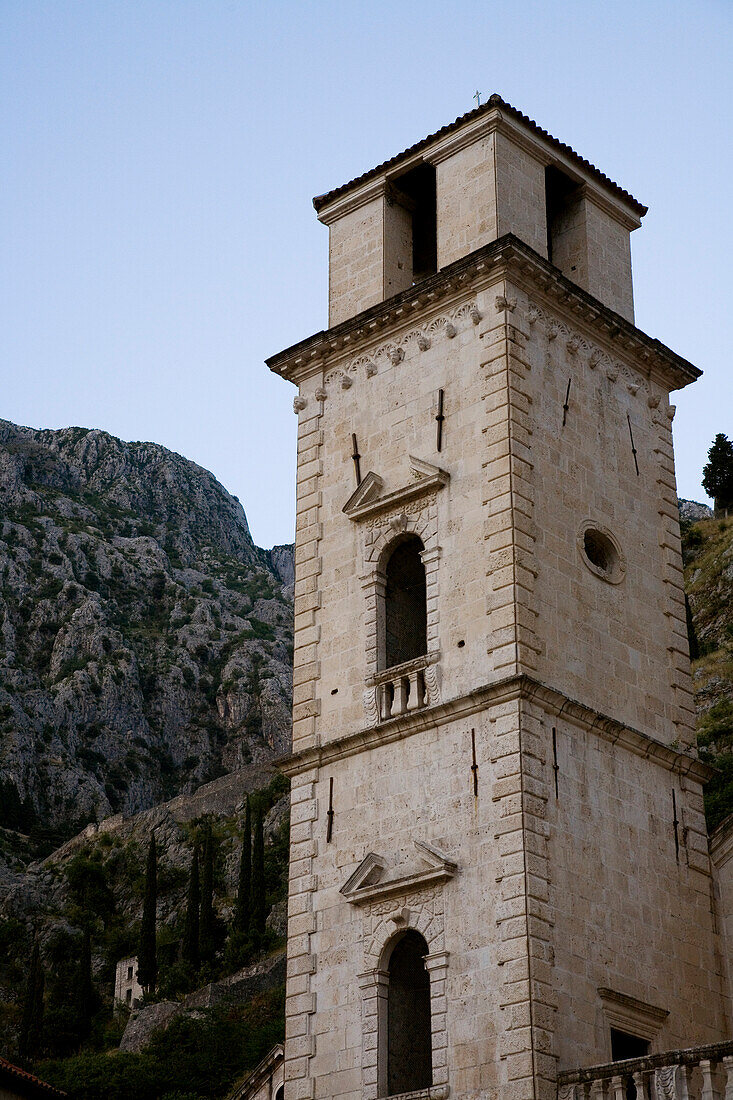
(158, 163)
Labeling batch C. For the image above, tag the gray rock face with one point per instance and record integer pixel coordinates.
(144, 1021)
(282, 560)
(691, 511)
(145, 641)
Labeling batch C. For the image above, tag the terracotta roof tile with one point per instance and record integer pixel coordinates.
(28, 1082)
(493, 102)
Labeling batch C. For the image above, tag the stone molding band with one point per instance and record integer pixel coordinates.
(511, 687)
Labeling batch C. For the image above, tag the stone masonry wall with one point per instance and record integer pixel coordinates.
(384, 800)
(629, 914)
(466, 189)
(619, 647)
(356, 261)
(520, 187)
(391, 406)
(608, 260)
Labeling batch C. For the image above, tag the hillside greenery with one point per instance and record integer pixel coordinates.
(708, 566)
(101, 888)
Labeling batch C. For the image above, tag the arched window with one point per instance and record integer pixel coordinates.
(280, 1092)
(408, 1046)
(406, 614)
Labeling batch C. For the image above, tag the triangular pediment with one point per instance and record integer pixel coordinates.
(369, 490)
(421, 469)
(433, 857)
(367, 884)
(369, 498)
(368, 873)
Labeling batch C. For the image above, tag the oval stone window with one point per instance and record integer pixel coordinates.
(602, 554)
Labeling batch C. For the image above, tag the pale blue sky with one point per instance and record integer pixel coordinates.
(159, 159)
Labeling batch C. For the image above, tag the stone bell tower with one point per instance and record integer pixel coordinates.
(499, 865)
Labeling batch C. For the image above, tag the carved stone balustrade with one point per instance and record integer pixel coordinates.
(700, 1073)
(406, 687)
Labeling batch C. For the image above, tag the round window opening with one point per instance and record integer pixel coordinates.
(602, 555)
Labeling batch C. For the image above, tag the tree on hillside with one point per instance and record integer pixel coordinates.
(717, 474)
(244, 889)
(206, 919)
(84, 999)
(691, 632)
(258, 914)
(147, 959)
(31, 1024)
(190, 947)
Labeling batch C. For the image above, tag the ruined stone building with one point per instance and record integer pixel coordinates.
(500, 879)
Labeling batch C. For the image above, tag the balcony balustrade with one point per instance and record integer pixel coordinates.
(406, 687)
(700, 1073)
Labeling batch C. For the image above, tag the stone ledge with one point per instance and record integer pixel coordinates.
(504, 690)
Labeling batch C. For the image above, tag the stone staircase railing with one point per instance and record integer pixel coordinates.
(700, 1073)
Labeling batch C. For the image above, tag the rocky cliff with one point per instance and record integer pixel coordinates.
(707, 545)
(145, 641)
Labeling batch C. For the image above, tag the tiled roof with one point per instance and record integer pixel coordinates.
(26, 1083)
(492, 103)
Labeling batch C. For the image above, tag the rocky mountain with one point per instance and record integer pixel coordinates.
(145, 641)
(707, 546)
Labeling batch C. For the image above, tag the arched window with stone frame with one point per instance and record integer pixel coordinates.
(404, 1001)
(406, 1045)
(399, 534)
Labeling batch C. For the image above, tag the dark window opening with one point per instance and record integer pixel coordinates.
(129, 973)
(419, 187)
(128, 996)
(563, 209)
(280, 1093)
(625, 1046)
(409, 1046)
(406, 613)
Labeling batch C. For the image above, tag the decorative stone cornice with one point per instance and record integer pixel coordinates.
(638, 1017)
(507, 256)
(357, 367)
(511, 687)
(375, 189)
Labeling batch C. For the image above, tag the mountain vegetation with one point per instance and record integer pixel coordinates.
(707, 546)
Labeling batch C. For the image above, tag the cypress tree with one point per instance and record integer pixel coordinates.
(147, 959)
(717, 479)
(259, 908)
(244, 890)
(190, 947)
(29, 1040)
(206, 921)
(691, 632)
(84, 992)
